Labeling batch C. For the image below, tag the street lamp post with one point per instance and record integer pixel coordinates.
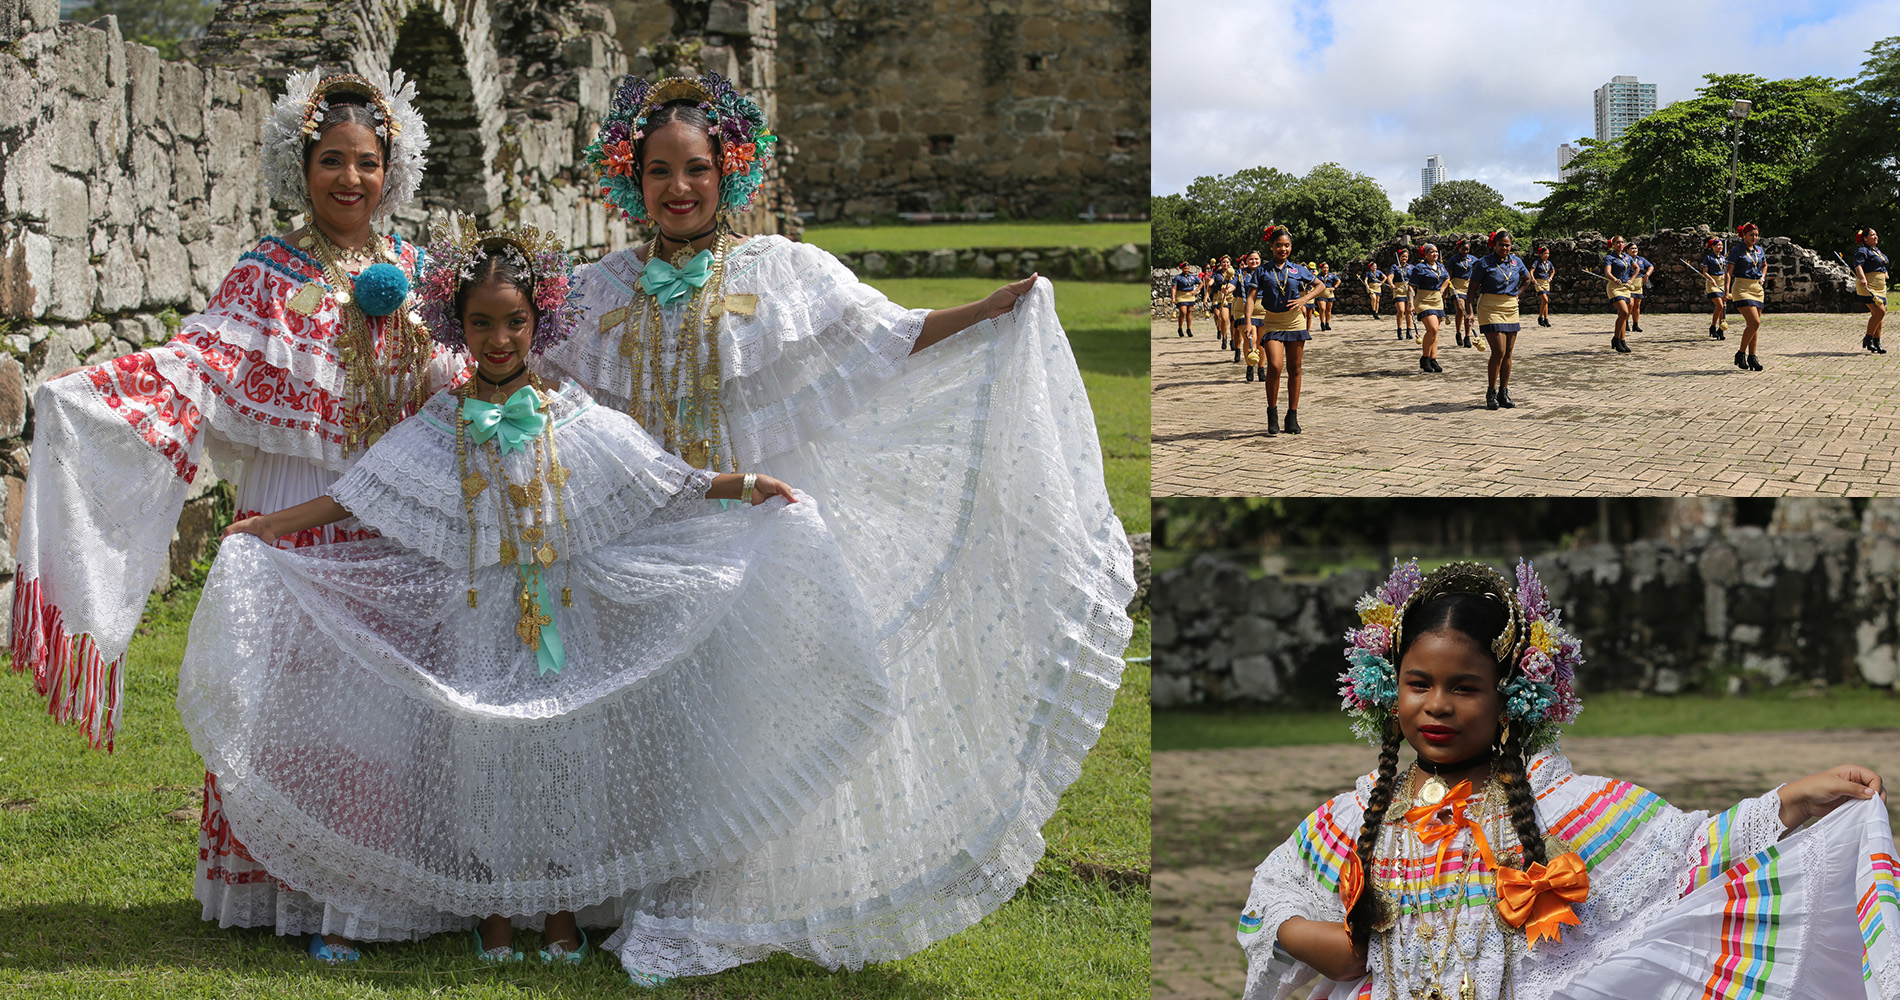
(1739, 112)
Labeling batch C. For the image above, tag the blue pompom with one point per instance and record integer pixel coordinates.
(381, 289)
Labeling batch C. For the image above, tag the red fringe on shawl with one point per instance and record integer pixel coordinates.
(80, 685)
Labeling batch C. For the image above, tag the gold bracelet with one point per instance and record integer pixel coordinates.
(745, 492)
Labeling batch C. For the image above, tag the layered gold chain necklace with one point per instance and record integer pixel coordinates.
(383, 383)
(1438, 953)
(677, 398)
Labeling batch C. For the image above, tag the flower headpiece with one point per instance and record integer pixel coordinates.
(294, 120)
(454, 249)
(1538, 659)
(1745, 227)
(735, 120)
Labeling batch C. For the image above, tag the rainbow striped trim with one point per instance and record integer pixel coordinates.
(1606, 819)
(1883, 893)
(1717, 849)
(1250, 922)
(1438, 892)
(1324, 846)
(1751, 923)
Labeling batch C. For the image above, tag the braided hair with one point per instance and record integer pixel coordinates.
(1481, 619)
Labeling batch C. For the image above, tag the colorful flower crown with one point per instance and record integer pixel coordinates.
(454, 249)
(1539, 659)
(294, 119)
(736, 121)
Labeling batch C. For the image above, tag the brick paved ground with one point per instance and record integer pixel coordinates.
(1673, 417)
(1217, 813)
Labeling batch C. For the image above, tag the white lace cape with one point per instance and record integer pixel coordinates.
(1652, 867)
(965, 486)
(394, 752)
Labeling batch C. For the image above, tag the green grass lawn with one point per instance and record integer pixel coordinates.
(957, 235)
(1108, 330)
(97, 855)
(1604, 714)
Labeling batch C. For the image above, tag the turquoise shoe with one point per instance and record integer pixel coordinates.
(335, 954)
(648, 980)
(501, 954)
(559, 952)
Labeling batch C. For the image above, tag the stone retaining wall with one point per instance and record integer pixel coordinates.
(1124, 263)
(1816, 600)
(1798, 279)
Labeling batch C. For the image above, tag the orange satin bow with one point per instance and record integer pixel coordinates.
(1425, 820)
(1538, 902)
(1352, 882)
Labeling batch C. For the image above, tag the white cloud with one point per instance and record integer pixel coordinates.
(1493, 88)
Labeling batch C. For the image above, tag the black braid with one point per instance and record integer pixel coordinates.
(1517, 790)
(1366, 912)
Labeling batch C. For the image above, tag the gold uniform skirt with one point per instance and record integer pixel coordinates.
(1747, 292)
(1497, 310)
(1429, 300)
(1282, 322)
(1875, 289)
(1541, 284)
(1460, 285)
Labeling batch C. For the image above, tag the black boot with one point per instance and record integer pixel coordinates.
(1236, 355)
(1753, 365)
(1424, 363)
(1721, 333)
(1292, 421)
(1250, 373)
(1714, 334)
(1490, 399)
(1867, 342)
(1435, 366)
(1741, 360)
(1634, 328)
(1398, 335)
(1273, 420)
(1877, 348)
(1504, 399)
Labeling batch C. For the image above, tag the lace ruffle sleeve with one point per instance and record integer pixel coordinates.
(1299, 879)
(410, 485)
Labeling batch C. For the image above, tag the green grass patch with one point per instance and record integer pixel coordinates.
(1605, 714)
(958, 235)
(96, 863)
(1108, 331)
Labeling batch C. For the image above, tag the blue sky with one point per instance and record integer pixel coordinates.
(1493, 88)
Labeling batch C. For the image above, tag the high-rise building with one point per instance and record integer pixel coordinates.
(1432, 176)
(1620, 102)
(1565, 153)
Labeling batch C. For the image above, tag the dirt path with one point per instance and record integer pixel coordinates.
(1218, 812)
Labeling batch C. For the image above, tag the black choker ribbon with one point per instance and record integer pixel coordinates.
(689, 239)
(1431, 767)
(504, 380)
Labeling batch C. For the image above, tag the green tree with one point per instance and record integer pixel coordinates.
(161, 24)
(1335, 215)
(1452, 204)
(1167, 241)
(1580, 201)
(1854, 178)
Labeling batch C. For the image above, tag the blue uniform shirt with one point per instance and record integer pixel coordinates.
(1714, 263)
(1331, 279)
(1279, 284)
(1460, 267)
(1869, 259)
(1748, 264)
(1374, 275)
(1543, 269)
(1186, 282)
(1491, 276)
(1428, 276)
(1622, 265)
(1643, 266)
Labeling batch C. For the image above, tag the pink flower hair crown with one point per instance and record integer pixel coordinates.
(455, 247)
(1539, 658)
(735, 121)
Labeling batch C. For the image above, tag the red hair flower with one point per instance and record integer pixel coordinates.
(739, 157)
(619, 158)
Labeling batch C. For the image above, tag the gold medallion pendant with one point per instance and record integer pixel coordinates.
(1432, 792)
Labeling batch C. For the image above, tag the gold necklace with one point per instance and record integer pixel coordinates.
(522, 516)
(1437, 955)
(683, 407)
(376, 397)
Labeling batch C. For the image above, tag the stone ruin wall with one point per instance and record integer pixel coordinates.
(967, 105)
(1814, 597)
(129, 184)
(1797, 279)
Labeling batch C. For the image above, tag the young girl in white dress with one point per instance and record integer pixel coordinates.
(559, 675)
(1489, 868)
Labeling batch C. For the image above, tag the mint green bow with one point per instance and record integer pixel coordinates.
(517, 421)
(550, 657)
(672, 284)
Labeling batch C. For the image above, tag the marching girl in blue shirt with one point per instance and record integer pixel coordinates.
(1641, 281)
(1429, 280)
(1542, 270)
(1375, 281)
(1618, 269)
(1459, 264)
(1187, 285)
(1401, 295)
(1715, 274)
(1497, 279)
(1281, 291)
(1747, 264)
(1246, 335)
(1870, 284)
(1328, 296)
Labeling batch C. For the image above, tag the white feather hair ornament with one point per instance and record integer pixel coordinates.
(293, 120)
